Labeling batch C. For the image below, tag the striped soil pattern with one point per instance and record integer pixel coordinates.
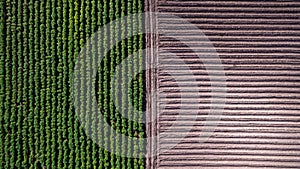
(258, 44)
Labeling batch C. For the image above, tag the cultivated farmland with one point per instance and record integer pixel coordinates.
(40, 41)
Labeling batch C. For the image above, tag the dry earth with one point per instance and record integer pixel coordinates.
(258, 43)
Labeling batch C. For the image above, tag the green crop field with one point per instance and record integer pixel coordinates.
(40, 42)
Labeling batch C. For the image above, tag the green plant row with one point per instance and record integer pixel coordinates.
(40, 42)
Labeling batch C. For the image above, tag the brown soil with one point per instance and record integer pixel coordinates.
(258, 43)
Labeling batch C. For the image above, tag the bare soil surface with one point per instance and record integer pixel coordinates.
(258, 43)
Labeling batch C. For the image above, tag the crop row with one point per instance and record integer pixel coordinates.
(39, 45)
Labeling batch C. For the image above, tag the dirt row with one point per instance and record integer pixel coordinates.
(225, 91)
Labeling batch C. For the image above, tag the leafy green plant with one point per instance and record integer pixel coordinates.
(40, 42)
